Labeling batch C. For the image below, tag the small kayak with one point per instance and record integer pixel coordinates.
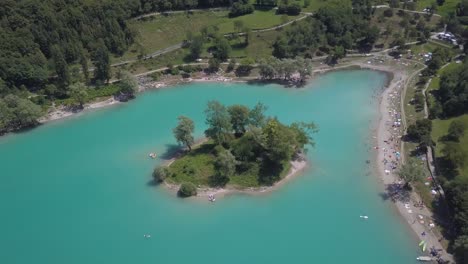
(424, 258)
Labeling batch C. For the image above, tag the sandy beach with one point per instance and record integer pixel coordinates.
(388, 148)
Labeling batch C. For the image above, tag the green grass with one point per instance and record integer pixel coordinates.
(443, 10)
(260, 46)
(198, 167)
(94, 93)
(160, 32)
(423, 48)
(174, 57)
(103, 91)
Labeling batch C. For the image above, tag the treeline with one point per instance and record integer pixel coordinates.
(295, 70)
(452, 101)
(146, 6)
(333, 29)
(42, 37)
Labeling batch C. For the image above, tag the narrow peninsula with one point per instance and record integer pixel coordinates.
(243, 150)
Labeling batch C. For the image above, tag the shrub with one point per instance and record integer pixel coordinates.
(388, 12)
(239, 9)
(187, 189)
(160, 174)
(292, 9)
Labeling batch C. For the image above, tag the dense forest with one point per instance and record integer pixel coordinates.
(333, 29)
(46, 46)
(452, 101)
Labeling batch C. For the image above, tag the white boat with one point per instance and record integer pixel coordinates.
(364, 216)
(211, 198)
(424, 258)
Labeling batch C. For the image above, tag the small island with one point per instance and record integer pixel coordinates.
(243, 149)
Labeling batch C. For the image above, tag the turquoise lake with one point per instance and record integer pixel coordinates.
(77, 190)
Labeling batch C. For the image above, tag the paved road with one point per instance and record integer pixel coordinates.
(429, 154)
(406, 10)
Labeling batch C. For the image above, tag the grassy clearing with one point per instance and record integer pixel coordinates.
(175, 58)
(94, 94)
(391, 25)
(443, 10)
(160, 32)
(423, 48)
(260, 46)
(198, 167)
(440, 128)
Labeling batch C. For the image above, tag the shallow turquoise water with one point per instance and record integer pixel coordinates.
(76, 191)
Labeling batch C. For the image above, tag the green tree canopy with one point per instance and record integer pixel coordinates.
(419, 130)
(279, 141)
(101, 60)
(183, 131)
(225, 165)
(18, 112)
(239, 118)
(410, 172)
(218, 121)
(454, 153)
(187, 189)
(456, 130)
(196, 47)
(78, 93)
(128, 83)
(257, 116)
(160, 173)
(222, 49)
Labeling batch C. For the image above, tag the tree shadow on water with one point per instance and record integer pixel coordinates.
(172, 151)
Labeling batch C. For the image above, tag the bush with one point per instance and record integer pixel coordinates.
(187, 189)
(293, 9)
(160, 174)
(231, 65)
(155, 76)
(239, 9)
(388, 12)
(245, 67)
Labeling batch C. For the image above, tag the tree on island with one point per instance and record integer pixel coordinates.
(219, 122)
(257, 115)
(183, 131)
(239, 118)
(160, 174)
(225, 165)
